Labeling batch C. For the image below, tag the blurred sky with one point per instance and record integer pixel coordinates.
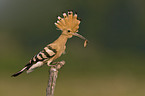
(115, 53)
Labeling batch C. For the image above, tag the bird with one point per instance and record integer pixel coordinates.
(69, 26)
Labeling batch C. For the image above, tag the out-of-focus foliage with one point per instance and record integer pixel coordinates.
(111, 65)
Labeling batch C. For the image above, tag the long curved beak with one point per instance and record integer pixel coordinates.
(80, 36)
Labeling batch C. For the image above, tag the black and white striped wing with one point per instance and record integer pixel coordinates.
(38, 60)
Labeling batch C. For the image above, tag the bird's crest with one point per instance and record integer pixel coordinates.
(69, 23)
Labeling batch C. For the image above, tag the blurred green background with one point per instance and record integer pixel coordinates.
(111, 65)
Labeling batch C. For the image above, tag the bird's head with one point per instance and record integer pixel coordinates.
(69, 25)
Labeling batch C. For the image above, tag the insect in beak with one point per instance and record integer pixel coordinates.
(80, 36)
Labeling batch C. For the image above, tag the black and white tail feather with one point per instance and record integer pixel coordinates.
(38, 60)
(18, 73)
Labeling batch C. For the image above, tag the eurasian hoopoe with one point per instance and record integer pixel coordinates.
(69, 26)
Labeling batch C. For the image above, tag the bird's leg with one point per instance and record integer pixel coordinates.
(57, 65)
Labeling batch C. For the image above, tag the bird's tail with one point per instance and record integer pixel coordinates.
(18, 73)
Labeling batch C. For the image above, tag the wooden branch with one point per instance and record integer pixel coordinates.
(53, 72)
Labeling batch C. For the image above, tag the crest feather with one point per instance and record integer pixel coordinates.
(69, 22)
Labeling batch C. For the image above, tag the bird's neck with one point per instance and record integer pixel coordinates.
(61, 41)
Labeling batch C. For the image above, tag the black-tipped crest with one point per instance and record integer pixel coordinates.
(69, 13)
(79, 18)
(69, 22)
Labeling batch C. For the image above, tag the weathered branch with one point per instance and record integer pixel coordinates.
(53, 72)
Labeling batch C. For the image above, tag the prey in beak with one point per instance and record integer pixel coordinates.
(80, 36)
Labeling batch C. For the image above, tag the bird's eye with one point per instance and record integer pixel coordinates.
(68, 30)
